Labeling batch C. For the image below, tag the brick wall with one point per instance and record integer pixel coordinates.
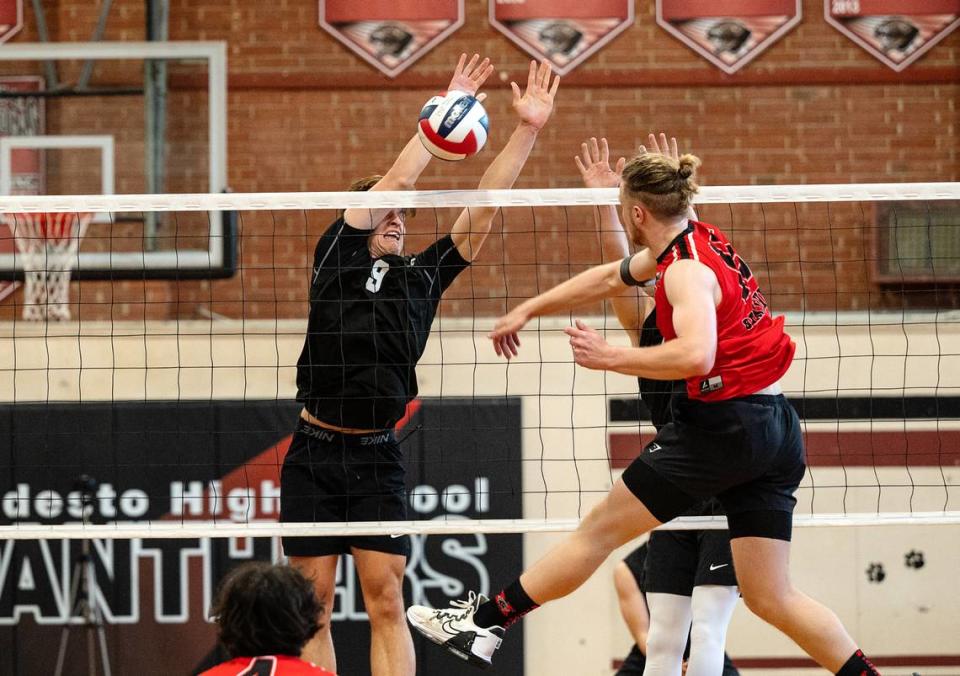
(307, 114)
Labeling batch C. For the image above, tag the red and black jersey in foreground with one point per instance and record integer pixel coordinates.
(753, 351)
(267, 665)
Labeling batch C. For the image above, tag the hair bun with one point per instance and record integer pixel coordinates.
(688, 165)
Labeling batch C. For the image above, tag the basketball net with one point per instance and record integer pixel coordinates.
(48, 244)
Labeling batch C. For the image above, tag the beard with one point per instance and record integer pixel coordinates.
(635, 236)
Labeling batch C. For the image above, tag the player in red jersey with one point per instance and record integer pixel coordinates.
(266, 615)
(267, 665)
(734, 436)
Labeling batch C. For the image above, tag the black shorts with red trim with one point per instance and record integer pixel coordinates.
(330, 477)
(747, 452)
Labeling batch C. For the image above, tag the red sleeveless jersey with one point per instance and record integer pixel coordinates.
(267, 665)
(753, 351)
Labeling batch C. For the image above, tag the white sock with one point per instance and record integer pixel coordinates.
(669, 625)
(712, 609)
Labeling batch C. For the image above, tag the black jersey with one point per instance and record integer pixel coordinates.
(368, 326)
(657, 394)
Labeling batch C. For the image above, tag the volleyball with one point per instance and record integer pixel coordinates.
(453, 126)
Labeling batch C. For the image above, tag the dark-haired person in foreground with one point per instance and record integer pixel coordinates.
(734, 436)
(371, 311)
(266, 614)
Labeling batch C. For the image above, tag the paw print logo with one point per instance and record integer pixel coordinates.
(914, 559)
(876, 573)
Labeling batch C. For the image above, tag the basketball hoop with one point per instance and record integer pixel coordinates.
(48, 244)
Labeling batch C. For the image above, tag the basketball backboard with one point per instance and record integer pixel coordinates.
(104, 146)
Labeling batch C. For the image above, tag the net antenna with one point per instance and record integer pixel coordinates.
(47, 243)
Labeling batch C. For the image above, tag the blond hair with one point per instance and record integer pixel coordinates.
(664, 185)
(364, 184)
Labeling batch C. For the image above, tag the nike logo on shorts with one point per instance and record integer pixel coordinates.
(713, 567)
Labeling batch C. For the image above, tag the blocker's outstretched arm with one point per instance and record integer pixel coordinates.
(413, 159)
(534, 108)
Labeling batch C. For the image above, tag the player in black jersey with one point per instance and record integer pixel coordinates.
(371, 308)
(689, 574)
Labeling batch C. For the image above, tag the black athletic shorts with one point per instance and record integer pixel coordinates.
(679, 560)
(332, 477)
(746, 452)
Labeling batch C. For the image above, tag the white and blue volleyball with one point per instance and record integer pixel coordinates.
(453, 126)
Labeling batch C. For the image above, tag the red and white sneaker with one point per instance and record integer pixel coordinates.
(454, 629)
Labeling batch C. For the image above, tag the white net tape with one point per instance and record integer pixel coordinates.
(228, 529)
(855, 192)
(563, 435)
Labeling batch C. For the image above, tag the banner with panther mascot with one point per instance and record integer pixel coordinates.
(728, 33)
(391, 35)
(566, 32)
(897, 32)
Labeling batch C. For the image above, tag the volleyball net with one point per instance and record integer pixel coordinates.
(163, 406)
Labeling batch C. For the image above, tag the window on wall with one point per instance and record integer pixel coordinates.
(918, 242)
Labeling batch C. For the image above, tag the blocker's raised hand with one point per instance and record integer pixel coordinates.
(661, 147)
(535, 105)
(469, 77)
(594, 165)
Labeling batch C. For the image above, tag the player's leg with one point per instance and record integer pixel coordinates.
(381, 579)
(763, 571)
(322, 572)
(639, 501)
(377, 492)
(644, 497)
(473, 629)
(714, 597)
(617, 519)
(712, 607)
(669, 627)
(670, 571)
(760, 514)
(312, 490)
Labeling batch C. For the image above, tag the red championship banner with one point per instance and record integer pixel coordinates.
(564, 31)
(391, 34)
(11, 18)
(21, 116)
(728, 33)
(898, 32)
